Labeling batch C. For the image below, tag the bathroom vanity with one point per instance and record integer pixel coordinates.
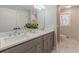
(43, 43)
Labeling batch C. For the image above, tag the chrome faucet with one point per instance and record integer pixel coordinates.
(16, 31)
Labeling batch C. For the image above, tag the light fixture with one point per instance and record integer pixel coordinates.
(68, 6)
(39, 7)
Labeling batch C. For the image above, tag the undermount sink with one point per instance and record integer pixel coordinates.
(9, 39)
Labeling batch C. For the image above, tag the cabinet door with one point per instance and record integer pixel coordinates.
(39, 49)
(39, 45)
(31, 50)
(46, 44)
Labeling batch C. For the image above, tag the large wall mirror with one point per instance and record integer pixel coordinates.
(40, 10)
(12, 16)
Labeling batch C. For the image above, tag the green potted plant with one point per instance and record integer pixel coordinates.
(31, 26)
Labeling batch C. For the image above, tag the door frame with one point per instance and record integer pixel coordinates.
(57, 27)
(58, 22)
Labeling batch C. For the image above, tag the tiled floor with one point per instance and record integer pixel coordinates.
(68, 45)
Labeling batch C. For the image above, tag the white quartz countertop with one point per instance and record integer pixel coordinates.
(26, 37)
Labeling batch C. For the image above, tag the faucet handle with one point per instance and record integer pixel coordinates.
(16, 28)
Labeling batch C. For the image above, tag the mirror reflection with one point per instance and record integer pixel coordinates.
(14, 17)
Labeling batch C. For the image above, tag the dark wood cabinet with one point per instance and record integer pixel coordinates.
(39, 45)
(48, 42)
(42, 44)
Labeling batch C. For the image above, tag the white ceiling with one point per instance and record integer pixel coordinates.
(25, 7)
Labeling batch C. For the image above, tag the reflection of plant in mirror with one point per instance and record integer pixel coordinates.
(31, 25)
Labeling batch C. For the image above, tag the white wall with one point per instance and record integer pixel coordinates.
(50, 16)
(8, 18)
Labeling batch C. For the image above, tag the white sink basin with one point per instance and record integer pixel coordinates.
(8, 40)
